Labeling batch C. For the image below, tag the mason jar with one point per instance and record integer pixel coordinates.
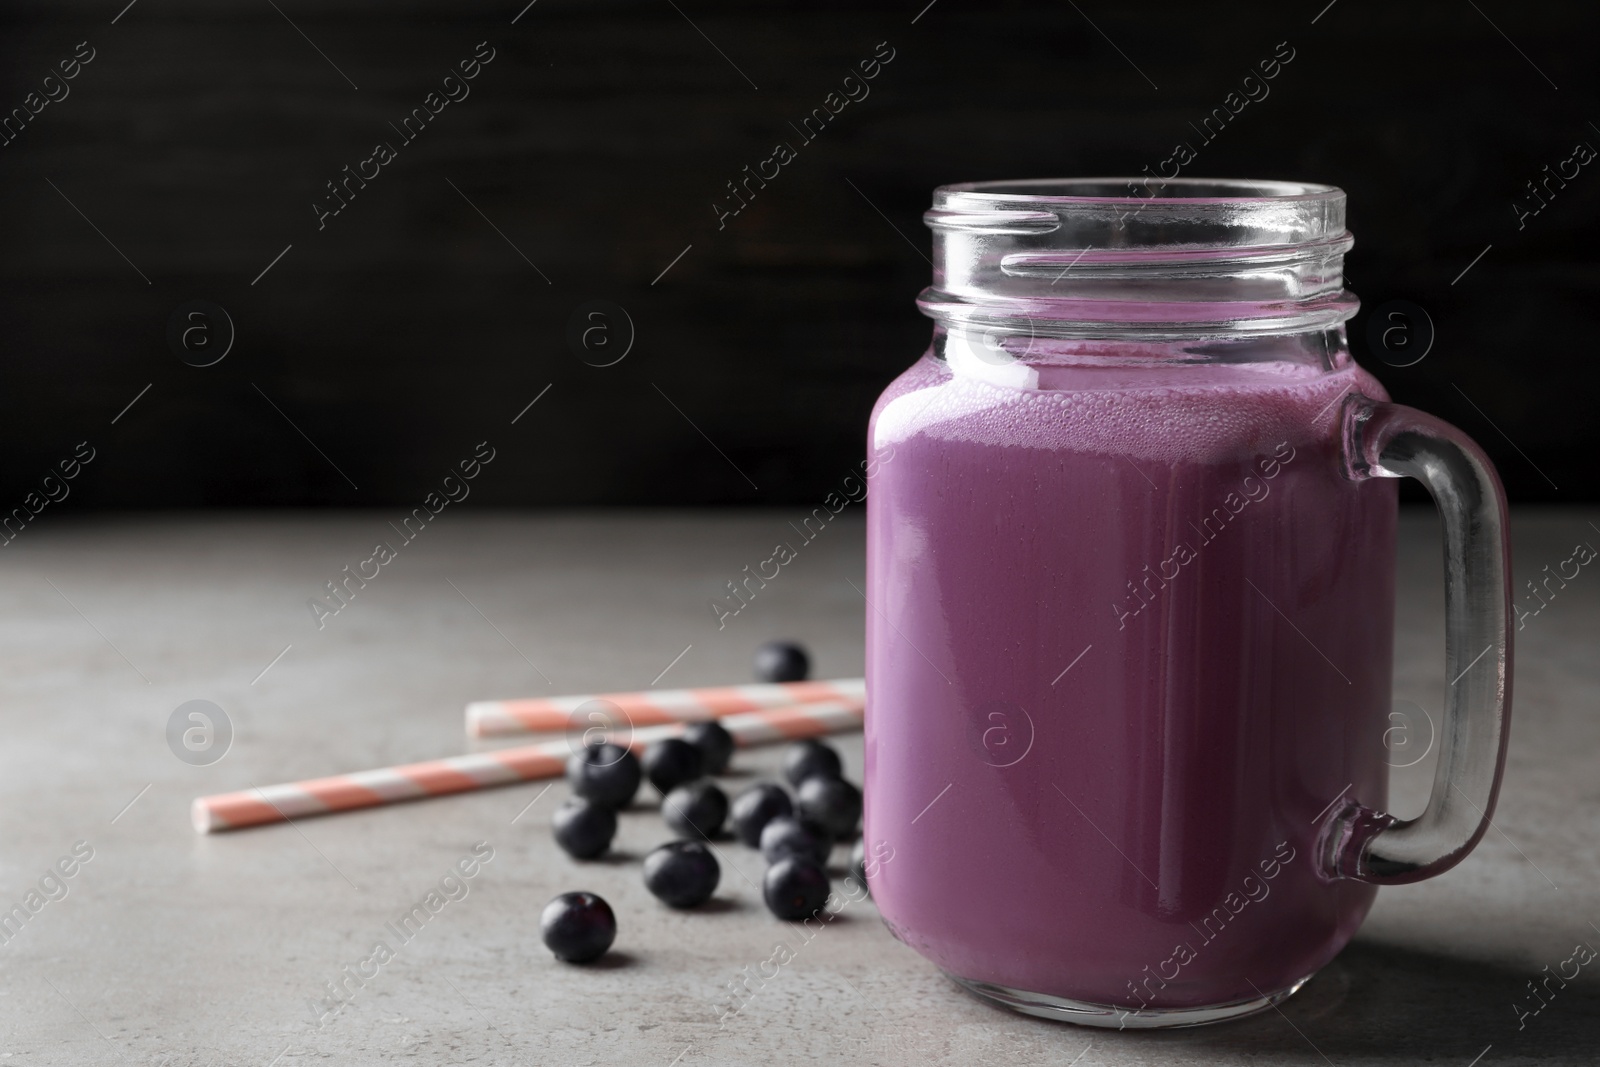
(1130, 600)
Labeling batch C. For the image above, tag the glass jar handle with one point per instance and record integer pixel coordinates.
(1389, 441)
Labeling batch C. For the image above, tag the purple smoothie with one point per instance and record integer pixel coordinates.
(1129, 637)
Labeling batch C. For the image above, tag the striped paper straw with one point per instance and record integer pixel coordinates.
(483, 770)
(487, 718)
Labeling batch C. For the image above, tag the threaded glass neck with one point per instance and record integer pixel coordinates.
(1139, 259)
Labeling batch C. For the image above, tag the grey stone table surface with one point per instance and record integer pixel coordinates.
(171, 947)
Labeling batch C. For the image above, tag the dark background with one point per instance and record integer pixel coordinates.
(597, 140)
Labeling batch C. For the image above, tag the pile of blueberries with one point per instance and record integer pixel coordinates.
(795, 836)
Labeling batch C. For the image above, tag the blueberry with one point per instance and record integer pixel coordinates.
(782, 661)
(756, 807)
(671, 762)
(695, 811)
(682, 874)
(810, 759)
(584, 828)
(795, 888)
(578, 927)
(606, 774)
(858, 863)
(788, 836)
(834, 803)
(714, 742)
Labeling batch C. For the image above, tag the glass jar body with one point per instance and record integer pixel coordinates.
(1129, 637)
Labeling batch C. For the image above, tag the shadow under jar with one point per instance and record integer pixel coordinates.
(1131, 578)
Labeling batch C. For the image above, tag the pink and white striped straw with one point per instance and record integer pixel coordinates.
(484, 770)
(487, 718)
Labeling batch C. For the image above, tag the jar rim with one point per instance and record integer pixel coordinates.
(1184, 257)
(1171, 191)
